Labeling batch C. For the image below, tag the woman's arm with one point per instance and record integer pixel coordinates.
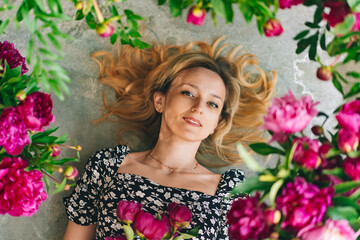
(79, 232)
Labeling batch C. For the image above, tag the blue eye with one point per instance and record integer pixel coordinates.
(187, 93)
(214, 105)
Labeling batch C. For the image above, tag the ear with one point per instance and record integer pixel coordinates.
(159, 100)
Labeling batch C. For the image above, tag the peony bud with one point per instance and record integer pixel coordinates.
(347, 140)
(196, 15)
(78, 148)
(20, 95)
(146, 226)
(274, 235)
(180, 215)
(324, 73)
(105, 29)
(317, 130)
(67, 187)
(127, 210)
(79, 5)
(55, 150)
(272, 28)
(71, 172)
(272, 216)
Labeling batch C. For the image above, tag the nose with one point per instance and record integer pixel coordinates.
(198, 106)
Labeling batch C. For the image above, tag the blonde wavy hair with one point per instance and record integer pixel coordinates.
(136, 75)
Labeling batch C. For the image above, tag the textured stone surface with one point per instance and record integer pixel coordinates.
(75, 114)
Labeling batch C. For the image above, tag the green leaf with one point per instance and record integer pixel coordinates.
(224, 9)
(47, 183)
(129, 232)
(301, 34)
(345, 202)
(353, 74)
(346, 186)
(302, 45)
(60, 187)
(62, 161)
(44, 133)
(161, 2)
(54, 41)
(318, 14)
(274, 190)
(313, 46)
(79, 15)
(91, 21)
(45, 139)
(249, 185)
(55, 88)
(337, 213)
(354, 5)
(337, 84)
(345, 26)
(49, 54)
(3, 25)
(311, 25)
(323, 42)
(29, 50)
(355, 89)
(341, 77)
(338, 172)
(246, 10)
(264, 149)
(250, 162)
(175, 7)
(62, 139)
(354, 154)
(114, 11)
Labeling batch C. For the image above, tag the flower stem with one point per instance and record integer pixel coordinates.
(98, 12)
(49, 176)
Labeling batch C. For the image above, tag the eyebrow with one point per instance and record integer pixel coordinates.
(194, 86)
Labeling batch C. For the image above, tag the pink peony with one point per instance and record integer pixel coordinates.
(180, 215)
(166, 220)
(55, 150)
(272, 28)
(307, 153)
(289, 115)
(21, 192)
(127, 210)
(196, 15)
(12, 56)
(105, 29)
(36, 111)
(332, 230)
(13, 134)
(246, 219)
(146, 226)
(288, 3)
(338, 11)
(302, 203)
(349, 116)
(352, 167)
(356, 26)
(272, 216)
(347, 140)
(118, 237)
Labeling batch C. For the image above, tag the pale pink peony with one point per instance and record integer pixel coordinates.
(13, 134)
(303, 203)
(307, 152)
(332, 230)
(338, 11)
(36, 111)
(288, 115)
(12, 56)
(349, 116)
(352, 167)
(272, 28)
(127, 210)
(196, 15)
(21, 192)
(146, 226)
(247, 220)
(180, 215)
(288, 3)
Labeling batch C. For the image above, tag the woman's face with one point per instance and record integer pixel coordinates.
(192, 106)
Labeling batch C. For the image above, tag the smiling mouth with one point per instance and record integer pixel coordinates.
(192, 121)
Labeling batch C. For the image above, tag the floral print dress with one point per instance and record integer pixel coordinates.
(95, 197)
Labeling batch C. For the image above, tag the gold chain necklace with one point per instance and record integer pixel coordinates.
(171, 169)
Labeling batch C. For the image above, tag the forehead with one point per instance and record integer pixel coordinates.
(201, 78)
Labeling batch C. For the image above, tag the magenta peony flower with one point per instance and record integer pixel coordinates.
(289, 115)
(246, 219)
(13, 134)
(146, 226)
(349, 116)
(272, 28)
(118, 237)
(338, 11)
(166, 220)
(352, 167)
(36, 111)
(55, 148)
(288, 3)
(71, 172)
(332, 230)
(127, 210)
(105, 29)
(302, 203)
(12, 56)
(347, 140)
(307, 153)
(180, 215)
(196, 15)
(356, 26)
(21, 192)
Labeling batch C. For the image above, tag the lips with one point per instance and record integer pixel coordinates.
(192, 121)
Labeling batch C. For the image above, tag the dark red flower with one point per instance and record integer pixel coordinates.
(180, 215)
(146, 226)
(127, 210)
(12, 56)
(338, 11)
(288, 3)
(272, 28)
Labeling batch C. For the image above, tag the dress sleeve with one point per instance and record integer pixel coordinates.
(82, 205)
(230, 179)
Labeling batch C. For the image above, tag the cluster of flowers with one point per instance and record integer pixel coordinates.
(313, 193)
(21, 190)
(137, 222)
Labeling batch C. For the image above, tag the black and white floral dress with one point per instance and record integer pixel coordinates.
(95, 197)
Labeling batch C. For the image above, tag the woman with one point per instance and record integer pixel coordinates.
(191, 102)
